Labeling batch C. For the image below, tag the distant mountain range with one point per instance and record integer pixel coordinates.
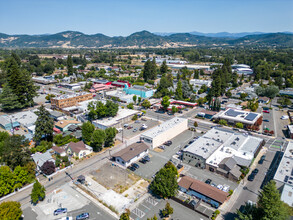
(220, 34)
(145, 39)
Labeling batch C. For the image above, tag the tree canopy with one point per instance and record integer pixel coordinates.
(44, 125)
(38, 192)
(165, 182)
(87, 130)
(10, 210)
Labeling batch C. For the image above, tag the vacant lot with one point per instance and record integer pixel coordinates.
(114, 177)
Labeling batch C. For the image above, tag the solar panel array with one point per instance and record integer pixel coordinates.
(250, 117)
(233, 113)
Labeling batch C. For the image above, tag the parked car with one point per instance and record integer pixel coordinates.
(168, 143)
(251, 177)
(135, 130)
(266, 120)
(162, 147)
(255, 171)
(147, 158)
(179, 153)
(266, 111)
(137, 121)
(131, 168)
(66, 218)
(60, 211)
(186, 146)
(208, 181)
(135, 165)
(82, 216)
(143, 161)
(190, 142)
(129, 127)
(125, 125)
(143, 119)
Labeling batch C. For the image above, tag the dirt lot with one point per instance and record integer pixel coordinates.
(114, 177)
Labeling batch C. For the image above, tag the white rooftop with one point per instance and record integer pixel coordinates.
(67, 96)
(238, 145)
(166, 126)
(218, 144)
(290, 127)
(287, 195)
(122, 113)
(284, 172)
(41, 158)
(239, 116)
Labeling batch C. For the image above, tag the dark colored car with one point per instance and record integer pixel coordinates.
(255, 171)
(147, 158)
(251, 177)
(168, 143)
(131, 168)
(260, 161)
(208, 181)
(60, 211)
(135, 165)
(263, 157)
(83, 216)
(143, 161)
(190, 142)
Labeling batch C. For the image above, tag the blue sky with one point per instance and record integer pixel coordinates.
(123, 17)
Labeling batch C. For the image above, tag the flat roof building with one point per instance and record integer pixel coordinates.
(223, 151)
(287, 195)
(284, 173)
(120, 96)
(199, 82)
(70, 100)
(123, 116)
(141, 91)
(250, 120)
(164, 132)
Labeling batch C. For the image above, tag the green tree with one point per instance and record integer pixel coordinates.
(134, 98)
(178, 92)
(270, 204)
(223, 122)
(174, 109)
(38, 192)
(165, 182)
(195, 124)
(130, 105)
(147, 70)
(44, 125)
(98, 139)
(15, 152)
(228, 94)
(111, 108)
(168, 210)
(284, 101)
(87, 130)
(146, 103)
(69, 65)
(8, 99)
(165, 102)
(10, 210)
(110, 134)
(7, 181)
(239, 125)
(196, 74)
(21, 176)
(125, 216)
(139, 99)
(164, 67)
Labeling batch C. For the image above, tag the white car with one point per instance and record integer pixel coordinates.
(66, 218)
(285, 117)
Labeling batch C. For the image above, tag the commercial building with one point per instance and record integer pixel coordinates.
(131, 154)
(141, 91)
(202, 191)
(73, 86)
(284, 173)
(250, 120)
(164, 132)
(70, 100)
(44, 80)
(63, 125)
(101, 87)
(290, 131)
(80, 108)
(287, 194)
(288, 92)
(197, 83)
(207, 114)
(120, 96)
(123, 116)
(223, 151)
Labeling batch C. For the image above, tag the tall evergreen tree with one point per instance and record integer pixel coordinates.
(153, 69)
(147, 70)
(164, 67)
(8, 99)
(44, 125)
(69, 65)
(178, 92)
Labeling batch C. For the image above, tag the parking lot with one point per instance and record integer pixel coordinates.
(158, 159)
(129, 133)
(151, 206)
(64, 197)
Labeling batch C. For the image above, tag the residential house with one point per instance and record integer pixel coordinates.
(131, 154)
(63, 125)
(78, 149)
(41, 158)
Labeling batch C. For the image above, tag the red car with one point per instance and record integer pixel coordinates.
(266, 111)
(129, 127)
